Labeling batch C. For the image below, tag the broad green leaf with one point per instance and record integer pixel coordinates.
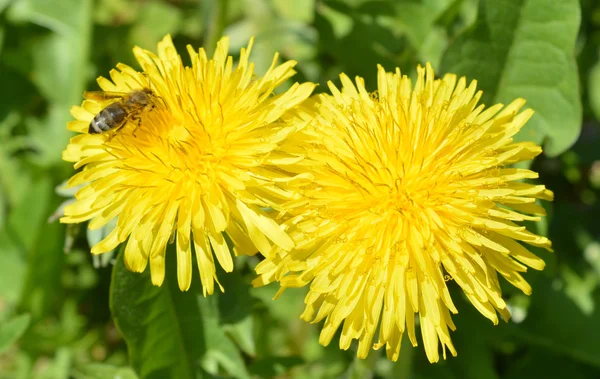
(171, 333)
(12, 330)
(525, 48)
(416, 19)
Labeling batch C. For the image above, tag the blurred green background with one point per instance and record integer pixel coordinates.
(55, 319)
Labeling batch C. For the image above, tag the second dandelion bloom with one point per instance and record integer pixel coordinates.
(412, 189)
(197, 167)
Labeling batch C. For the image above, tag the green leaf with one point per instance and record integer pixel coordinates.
(282, 28)
(60, 67)
(155, 20)
(40, 244)
(27, 217)
(474, 340)
(273, 366)
(4, 4)
(14, 176)
(59, 367)
(94, 236)
(235, 308)
(12, 330)
(105, 371)
(301, 10)
(171, 333)
(594, 90)
(106, 12)
(61, 58)
(12, 270)
(540, 364)
(521, 48)
(363, 368)
(2, 33)
(24, 230)
(555, 323)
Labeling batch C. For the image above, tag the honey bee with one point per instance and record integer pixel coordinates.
(127, 107)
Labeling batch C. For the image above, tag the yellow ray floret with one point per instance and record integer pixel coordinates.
(190, 169)
(411, 188)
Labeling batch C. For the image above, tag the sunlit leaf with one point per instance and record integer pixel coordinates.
(526, 49)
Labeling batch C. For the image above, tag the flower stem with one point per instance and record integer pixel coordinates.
(403, 368)
(216, 23)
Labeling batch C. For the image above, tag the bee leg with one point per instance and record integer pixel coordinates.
(114, 132)
(138, 121)
(111, 135)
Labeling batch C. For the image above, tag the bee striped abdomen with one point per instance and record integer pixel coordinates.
(111, 117)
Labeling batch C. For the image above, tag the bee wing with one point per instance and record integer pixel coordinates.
(103, 95)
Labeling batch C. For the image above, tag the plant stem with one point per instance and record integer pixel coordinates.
(215, 23)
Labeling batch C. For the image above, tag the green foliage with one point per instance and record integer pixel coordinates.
(172, 334)
(55, 318)
(526, 49)
(12, 330)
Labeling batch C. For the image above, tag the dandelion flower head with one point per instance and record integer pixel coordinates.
(412, 190)
(198, 165)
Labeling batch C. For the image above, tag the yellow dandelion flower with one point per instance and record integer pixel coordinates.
(196, 164)
(411, 189)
